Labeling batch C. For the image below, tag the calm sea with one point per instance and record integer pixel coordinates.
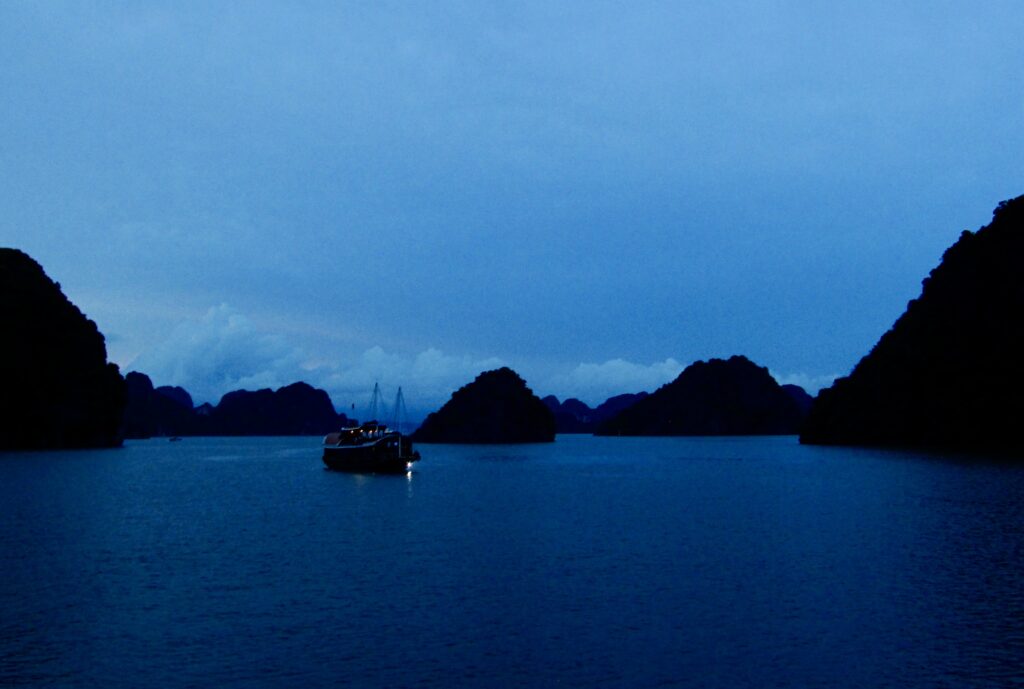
(621, 562)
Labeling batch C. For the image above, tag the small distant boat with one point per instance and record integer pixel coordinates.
(174, 439)
(372, 447)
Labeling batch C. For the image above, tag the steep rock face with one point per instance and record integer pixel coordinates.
(717, 397)
(950, 371)
(497, 407)
(58, 391)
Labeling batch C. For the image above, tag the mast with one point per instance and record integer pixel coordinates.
(400, 411)
(375, 402)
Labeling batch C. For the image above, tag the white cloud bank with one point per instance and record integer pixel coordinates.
(225, 351)
(221, 351)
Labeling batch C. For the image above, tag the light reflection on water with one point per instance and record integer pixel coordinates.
(750, 562)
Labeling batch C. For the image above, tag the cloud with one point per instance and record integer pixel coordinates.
(594, 383)
(812, 384)
(221, 351)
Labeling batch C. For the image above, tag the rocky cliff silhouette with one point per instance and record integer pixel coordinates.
(161, 411)
(716, 397)
(296, 409)
(950, 371)
(800, 396)
(58, 390)
(497, 407)
(574, 416)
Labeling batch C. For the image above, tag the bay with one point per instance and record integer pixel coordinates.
(697, 562)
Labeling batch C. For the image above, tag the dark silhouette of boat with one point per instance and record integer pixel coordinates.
(369, 448)
(372, 447)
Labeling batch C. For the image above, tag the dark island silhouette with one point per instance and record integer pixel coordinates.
(176, 394)
(497, 407)
(296, 409)
(949, 373)
(716, 397)
(800, 396)
(59, 391)
(574, 416)
(157, 411)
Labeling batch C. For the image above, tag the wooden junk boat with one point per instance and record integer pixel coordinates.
(371, 447)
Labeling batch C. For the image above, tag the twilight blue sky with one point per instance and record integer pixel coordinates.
(594, 193)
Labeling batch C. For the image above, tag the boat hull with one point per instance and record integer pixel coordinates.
(371, 458)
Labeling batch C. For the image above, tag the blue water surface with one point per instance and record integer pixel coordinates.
(640, 562)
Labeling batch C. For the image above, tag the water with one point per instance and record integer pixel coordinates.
(591, 562)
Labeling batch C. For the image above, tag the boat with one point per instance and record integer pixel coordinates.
(371, 447)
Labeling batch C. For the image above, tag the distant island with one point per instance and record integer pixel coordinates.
(160, 411)
(497, 407)
(59, 390)
(296, 409)
(950, 372)
(716, 397)
(574, 416)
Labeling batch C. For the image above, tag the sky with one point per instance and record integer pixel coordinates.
(594, 193)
